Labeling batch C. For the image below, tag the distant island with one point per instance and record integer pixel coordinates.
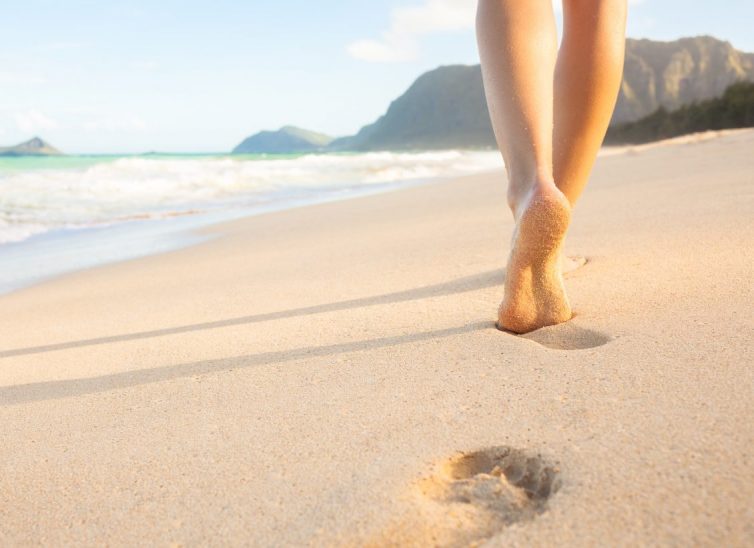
(32, 147)
(446, 108)
(288, 139)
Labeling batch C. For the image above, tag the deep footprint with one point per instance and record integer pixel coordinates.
(474, 496)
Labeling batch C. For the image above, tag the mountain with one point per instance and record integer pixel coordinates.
(441, 109)
(734, 109)
(32, 147)
(672, 74)
(287, 139)
(446, 108)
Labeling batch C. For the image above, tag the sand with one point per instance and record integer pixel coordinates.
(331, 375)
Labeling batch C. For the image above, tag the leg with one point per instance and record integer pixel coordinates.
(517, 46)
(587, 79)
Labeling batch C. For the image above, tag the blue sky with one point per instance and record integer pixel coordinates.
(168, 75)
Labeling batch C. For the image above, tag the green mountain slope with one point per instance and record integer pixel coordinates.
(287, 139)
(735, 109)
(441, 109)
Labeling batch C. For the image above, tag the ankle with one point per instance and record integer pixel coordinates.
(520, 191)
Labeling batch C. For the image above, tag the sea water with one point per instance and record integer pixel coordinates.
(59, 214)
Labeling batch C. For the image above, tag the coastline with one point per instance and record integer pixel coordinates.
(46, 256)
(290, 379)
(52, 254)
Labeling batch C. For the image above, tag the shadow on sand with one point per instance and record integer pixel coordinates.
(566, 336)
(50, 390)
(461, 285)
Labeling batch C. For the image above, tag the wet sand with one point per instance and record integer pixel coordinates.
(331, 375)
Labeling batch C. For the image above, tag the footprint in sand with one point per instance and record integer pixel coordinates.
(474, 496)
(568, 336)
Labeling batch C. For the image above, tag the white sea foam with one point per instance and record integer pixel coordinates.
(38, 200)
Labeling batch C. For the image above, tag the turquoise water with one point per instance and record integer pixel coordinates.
(11, 164)
(59, 214)
(16, 164)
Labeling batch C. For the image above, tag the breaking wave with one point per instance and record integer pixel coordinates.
(36, 199)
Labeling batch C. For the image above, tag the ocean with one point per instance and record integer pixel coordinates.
(59, 214)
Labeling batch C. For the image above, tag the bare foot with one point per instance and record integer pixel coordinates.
(534, 293)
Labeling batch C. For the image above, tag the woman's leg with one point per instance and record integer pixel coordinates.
(517, 46)
(587, 78)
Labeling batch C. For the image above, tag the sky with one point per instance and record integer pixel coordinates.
(99, 76)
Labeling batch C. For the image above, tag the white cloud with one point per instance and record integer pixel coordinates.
(407, 24)
(121, 122)
(33, 120)
(387, 51)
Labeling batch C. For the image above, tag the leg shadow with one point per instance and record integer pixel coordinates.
(484, 280)
(51, 390)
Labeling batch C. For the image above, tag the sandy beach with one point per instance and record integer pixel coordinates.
(331, 375)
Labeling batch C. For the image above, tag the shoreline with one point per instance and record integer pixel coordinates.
(90, 247)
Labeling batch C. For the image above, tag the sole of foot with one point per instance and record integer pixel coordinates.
(534, 293)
